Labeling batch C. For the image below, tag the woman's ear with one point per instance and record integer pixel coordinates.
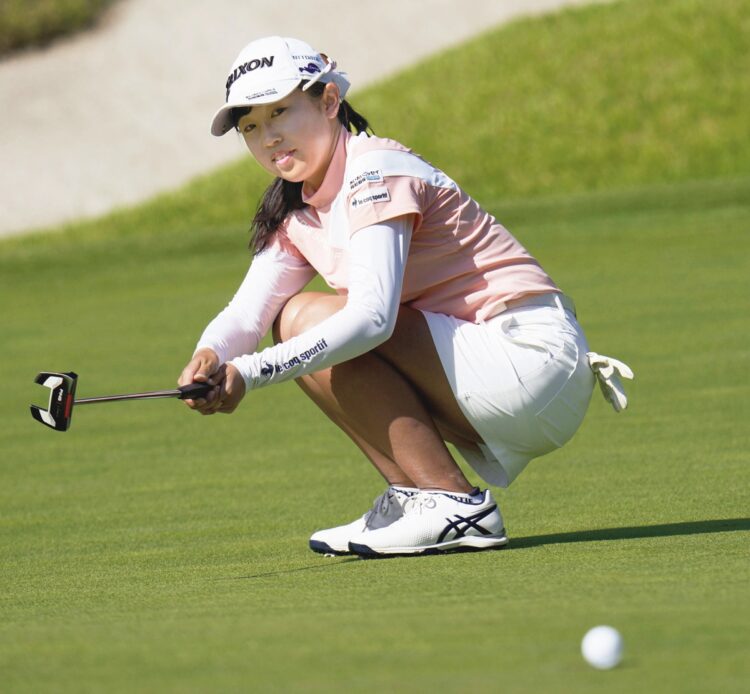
(331, 100)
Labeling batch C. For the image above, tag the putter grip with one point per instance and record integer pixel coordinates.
(194, 390)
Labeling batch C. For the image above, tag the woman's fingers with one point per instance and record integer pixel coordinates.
(204, 367)
(229, 386)
(232, 390)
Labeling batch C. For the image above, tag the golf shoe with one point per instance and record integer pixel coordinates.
(435, 522)
(386, 509)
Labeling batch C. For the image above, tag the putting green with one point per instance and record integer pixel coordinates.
(149, 549)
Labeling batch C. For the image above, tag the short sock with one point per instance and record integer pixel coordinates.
(404, 490)
(475, 496)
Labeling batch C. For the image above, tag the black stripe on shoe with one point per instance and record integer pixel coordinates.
(366, 552)
(461, 524)
(323, 548)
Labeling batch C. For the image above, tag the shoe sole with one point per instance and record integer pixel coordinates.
(323, 548)
(465, 544)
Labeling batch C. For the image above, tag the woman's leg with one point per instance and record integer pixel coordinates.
(394, 402)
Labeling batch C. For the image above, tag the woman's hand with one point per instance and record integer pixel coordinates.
(232, 389)
(204, 367)
(229, 386)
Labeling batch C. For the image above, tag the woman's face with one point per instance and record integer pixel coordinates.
(294, 138)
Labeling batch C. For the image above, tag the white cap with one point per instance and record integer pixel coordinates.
(269, 69)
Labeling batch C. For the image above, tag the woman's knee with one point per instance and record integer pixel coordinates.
(282, 325)
(304, 311)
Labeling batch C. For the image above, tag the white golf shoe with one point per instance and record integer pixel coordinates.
(434, 522)
(386, 509)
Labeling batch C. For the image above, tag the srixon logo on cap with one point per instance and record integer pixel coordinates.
(245, 68)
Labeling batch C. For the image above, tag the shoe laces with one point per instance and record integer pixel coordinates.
(419, 503)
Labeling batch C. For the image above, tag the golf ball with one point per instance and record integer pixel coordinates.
(602, 647)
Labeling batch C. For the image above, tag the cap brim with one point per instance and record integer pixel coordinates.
(222, 121)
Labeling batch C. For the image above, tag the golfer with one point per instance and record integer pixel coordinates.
(441, 326)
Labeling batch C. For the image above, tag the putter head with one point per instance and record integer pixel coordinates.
(61, 398)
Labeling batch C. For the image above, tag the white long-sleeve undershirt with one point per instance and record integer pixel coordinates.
(377, 258)
(271, 280)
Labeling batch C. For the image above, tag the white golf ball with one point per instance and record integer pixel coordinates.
(602, 647)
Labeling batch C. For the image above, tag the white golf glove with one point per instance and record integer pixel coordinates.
(608, 372)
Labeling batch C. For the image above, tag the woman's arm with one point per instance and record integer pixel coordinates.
(272, 279)
(377, 257)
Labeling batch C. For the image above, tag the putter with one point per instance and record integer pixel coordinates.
(62, 387)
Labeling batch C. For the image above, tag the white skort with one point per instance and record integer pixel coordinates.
(522, 380)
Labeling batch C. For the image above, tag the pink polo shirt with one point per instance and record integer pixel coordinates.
(461, 261)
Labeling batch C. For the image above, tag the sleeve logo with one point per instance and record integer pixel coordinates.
(366, 177)
(371, 195)
(268, 370)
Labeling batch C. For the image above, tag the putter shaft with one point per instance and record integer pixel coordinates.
(131, 396)
(192, 390)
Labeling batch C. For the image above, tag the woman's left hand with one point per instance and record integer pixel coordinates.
(231, 392)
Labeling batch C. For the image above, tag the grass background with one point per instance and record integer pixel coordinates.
(34, 23)
(151, 550)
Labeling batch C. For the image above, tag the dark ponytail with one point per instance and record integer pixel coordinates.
(283, 197)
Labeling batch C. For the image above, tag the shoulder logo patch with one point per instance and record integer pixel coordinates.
(375, 176)
(371, 195)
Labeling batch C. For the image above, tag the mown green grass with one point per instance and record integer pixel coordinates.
(149, 549)
(612, 96)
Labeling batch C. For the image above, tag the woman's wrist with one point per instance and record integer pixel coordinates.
(208, 355)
